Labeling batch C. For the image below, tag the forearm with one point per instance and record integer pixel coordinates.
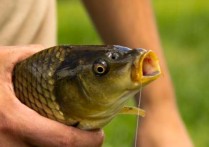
(132, 24)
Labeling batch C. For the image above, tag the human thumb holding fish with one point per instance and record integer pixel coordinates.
(21, 126)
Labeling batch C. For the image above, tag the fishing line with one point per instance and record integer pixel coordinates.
(137, 121)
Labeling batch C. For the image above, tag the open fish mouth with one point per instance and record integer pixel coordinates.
(145, 68)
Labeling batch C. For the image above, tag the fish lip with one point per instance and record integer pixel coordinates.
(145, 67)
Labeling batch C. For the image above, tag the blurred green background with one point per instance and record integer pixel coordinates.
(184, 28)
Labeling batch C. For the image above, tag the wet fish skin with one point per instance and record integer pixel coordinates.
(34, 82)
(61, 83)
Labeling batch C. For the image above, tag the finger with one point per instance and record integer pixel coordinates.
(41, 131)
(10, 55)
(13, 54)
(18, 53)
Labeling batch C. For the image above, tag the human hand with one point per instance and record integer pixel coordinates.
(20, 125)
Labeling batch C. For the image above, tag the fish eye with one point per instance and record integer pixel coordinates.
(100, 67)
(113, 56)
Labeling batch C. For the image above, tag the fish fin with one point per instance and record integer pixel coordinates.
(132, 110)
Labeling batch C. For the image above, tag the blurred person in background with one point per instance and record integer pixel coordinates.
(127, 23)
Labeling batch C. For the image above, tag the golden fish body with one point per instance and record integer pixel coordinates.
(83, 86)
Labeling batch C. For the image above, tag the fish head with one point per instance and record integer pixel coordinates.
(95, 81)
(115, 70)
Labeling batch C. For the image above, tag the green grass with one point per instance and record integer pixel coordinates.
(184, 27)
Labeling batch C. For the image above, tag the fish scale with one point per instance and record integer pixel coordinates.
(84, 86)
(34, 85)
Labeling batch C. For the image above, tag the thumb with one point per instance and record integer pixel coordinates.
(18, 53)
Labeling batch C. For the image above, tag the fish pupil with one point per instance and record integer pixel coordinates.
(100, 69)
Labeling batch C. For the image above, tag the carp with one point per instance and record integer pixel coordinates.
(84, 86)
